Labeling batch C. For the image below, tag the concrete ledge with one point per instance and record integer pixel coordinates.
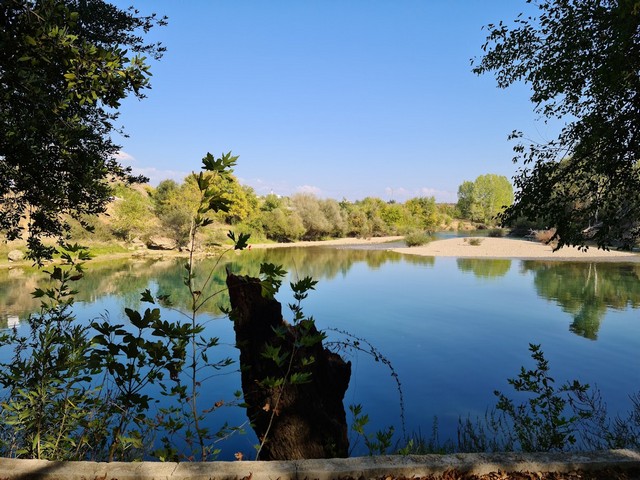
(360, 467)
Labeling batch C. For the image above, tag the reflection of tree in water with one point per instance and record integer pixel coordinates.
(171, 283)
(123, 278)
(586, 290)
(484, 268)
(127, 278)
(321, 262)
(16, 286)
(420, 260)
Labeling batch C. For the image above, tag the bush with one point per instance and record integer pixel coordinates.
(473, 241)
(544, 236)
(415, 239)
(496, 233)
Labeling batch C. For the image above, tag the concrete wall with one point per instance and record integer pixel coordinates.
(361, 467)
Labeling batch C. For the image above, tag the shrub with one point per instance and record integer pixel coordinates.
(473, 241)
(496, 233)
(544, 236)
(415, 239)
(542, 423)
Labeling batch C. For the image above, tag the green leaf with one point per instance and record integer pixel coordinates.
(147, 297)
(241, 242)
(299, 378)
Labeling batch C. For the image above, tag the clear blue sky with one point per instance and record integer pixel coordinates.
(341, 98)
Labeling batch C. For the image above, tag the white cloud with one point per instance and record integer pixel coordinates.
(398, 193)
(123, 156)
(156, 176)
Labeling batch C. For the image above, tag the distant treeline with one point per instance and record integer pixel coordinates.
(141, 211)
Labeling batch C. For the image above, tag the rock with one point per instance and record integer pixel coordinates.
(161, 243)
(15, 255)
(136, 244)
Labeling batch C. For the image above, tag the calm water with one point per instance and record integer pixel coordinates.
(453, 329)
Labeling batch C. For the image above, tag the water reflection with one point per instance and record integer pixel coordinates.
(484, 268)
(321, 263)
(583, 290)
(586, 291)
(126, 278)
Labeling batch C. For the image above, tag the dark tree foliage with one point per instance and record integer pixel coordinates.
(581, 59)
(65, 65)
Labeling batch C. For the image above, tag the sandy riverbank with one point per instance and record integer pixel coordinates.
(511, 248)
(489, 247)
(336, 242)
(455, 247)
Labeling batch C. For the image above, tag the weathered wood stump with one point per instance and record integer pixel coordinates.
(308, 420)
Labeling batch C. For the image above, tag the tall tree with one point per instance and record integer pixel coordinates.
(485, 198)
(315, 222)
(581, 59)
(424, 212)
(465, 199)
(65, 65)
(132, 213)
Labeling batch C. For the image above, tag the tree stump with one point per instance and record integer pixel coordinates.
(307, 420)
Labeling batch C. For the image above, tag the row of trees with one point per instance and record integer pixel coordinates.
(141, 211)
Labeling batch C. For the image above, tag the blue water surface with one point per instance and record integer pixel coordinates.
(453, 330)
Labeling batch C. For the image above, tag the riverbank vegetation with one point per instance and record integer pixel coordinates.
(141, 215)
(140, 212)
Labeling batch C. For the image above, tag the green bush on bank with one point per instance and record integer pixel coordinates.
(416, 239)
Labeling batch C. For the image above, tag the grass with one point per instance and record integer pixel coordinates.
(96, 249)
(109, 248)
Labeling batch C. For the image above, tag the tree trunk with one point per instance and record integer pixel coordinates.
(307, 420)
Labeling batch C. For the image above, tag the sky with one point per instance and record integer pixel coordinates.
(339, 98)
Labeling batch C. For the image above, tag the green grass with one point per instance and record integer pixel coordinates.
(110, 248)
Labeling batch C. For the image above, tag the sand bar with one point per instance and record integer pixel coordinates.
(335, 242)
(490, 247)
